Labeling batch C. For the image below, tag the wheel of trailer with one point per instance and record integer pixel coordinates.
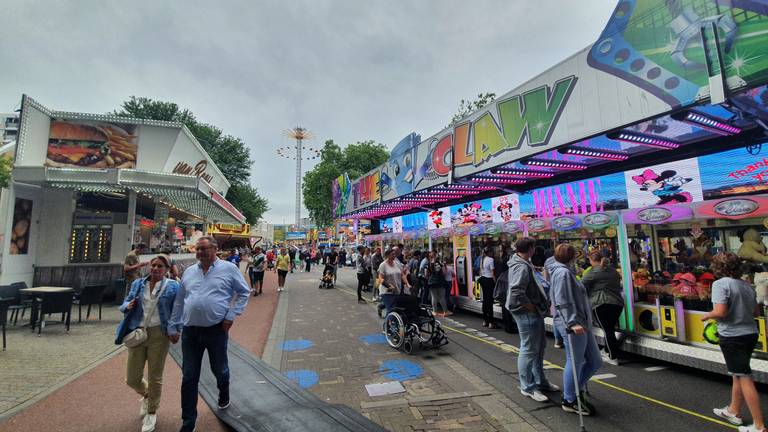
(394, 330)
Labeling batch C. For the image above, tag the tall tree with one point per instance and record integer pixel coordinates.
(466, 107)
(355, 159)
(229, 153)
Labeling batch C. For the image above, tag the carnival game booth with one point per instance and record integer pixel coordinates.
(86, 187)
(666, 107)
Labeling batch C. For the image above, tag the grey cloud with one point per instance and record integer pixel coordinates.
(347, 70)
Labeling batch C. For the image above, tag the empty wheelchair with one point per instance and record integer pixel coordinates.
(409, 323)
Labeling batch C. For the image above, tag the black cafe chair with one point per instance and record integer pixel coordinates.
(89, 296)
(5, 304)
(50, 303)
(16, 302)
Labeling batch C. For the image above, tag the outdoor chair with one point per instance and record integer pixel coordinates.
(4, 305)
(51, 303)
(90, 295)
(17, 302)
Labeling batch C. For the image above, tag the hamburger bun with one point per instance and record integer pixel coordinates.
(76, 132)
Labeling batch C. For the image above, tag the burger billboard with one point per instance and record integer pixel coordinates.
(92, 144)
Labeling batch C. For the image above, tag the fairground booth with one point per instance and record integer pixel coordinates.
(646, 145)
(86, 187)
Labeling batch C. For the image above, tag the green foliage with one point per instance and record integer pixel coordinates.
(467, 107)
(229, 153)
(6, 164)
(355, 159)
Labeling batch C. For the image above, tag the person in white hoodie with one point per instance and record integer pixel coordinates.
(573, 318)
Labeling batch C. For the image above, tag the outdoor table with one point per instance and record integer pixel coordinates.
(38, 293)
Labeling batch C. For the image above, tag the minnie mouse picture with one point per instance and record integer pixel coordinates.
(666, 186)
(436, 217)
(505, 210)
(470, 213)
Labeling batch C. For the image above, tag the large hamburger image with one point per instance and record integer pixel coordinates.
(103, 146)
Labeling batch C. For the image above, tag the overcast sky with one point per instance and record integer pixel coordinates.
(347, 70)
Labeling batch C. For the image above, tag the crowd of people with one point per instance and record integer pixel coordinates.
(531, 284)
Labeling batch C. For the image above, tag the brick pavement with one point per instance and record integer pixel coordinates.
(31, 364)
(75, 382)
(347, 352)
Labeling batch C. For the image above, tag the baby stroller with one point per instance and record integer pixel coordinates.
(326, 280)
(409, 323)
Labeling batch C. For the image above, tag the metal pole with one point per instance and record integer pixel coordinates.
(298, 183)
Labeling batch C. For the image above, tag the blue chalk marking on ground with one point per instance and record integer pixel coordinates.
(297, 345)
(374, 339)
(303, 377)
(401, 370)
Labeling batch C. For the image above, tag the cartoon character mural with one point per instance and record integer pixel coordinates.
(667, 186)
(398, 173)
(436, 217)
(439, 218)
(673, 68)
(471, 213)
(433, 162)
(506, 208)
(341, 189)
(671, 183)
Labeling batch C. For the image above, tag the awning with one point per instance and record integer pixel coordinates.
(188, 194)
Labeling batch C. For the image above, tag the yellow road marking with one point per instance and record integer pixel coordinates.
(516, 350)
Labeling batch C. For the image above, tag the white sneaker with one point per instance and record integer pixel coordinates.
(535, 395)
(144, 406)
(750, 428)
(550, 387)
(150, 420)
(725, 414)
(609, 360)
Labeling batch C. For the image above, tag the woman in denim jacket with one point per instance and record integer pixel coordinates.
(154, 349)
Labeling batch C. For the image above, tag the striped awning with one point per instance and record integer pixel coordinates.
(188, 194)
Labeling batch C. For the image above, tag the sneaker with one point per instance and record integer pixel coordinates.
(144, 410)
(150, 421)
(535, 395)
(223, 402)
(725, 414)
(549, 387)
(750, 428)
(558, 345)
(610, 360)
(574, 407)
(361, 300)
(585, 403)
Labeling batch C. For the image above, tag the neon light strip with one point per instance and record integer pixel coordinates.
(646, 140)
(555, 164)
(596, 154)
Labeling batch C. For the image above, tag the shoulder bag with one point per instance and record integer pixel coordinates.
(139, 335)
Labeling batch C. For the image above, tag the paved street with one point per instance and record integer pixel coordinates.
(638, 396)
(334, 346)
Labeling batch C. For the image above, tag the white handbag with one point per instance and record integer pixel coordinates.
(139, 335)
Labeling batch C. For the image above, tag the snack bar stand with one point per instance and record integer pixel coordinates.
(87, 187)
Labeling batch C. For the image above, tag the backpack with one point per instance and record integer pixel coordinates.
(501, 288)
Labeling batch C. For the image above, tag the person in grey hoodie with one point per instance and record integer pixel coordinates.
(573, 318)
(528, 303)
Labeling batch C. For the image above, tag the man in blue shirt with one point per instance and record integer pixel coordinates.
(212, 293)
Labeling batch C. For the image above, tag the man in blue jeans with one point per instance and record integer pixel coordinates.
(528, 303)
(212, 293)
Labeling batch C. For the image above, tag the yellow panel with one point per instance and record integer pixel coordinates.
(761, 346)
(647, 320)
(668, 321)
(694, 328)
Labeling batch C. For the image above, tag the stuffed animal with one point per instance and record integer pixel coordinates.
(641, 278)
(701, 250)
(684, 286)
(752, 248)
(761, 287)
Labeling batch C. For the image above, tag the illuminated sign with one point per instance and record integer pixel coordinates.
(598, 220)
(565, 223)
(229, 229)
(735, 207)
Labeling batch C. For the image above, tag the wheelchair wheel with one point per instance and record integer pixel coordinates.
(408, 346)
(394, 330)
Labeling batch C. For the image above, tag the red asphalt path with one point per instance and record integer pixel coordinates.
(100, 401)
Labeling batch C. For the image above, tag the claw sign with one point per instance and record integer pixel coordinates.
(434, 158)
